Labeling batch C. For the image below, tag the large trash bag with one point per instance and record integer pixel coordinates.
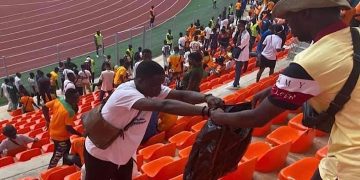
(218, 149)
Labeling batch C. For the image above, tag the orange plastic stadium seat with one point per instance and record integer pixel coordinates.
(232, 75)
(28, 154)
(158, 150)
(197, 127)
(230, 99)
(194, 120)
(281, 118)
(38, 125)
(179, 177)
(245, 170)
(152, 168)
(322, 152)
(251, 66)
(300, 140)
(261, 131)
(16, 112)
(35, 132)
(224, 79)
(180, 138)
(178, 127)
(57, 173)
(27, 125)
(48, 148)
(253, 89)
(214, 83)
(241, 95)
(43, 135)
(296, 122)
(141, 177)
(24, 130)
(172, 169)
(18, 124)
(185, 152)
(6, 161)
(205, 86)
(28, 178)
(158, 138)
(139, 160)
(300, 170)
(73, 176)
(85, 108)
(39, 143)
(3, 122)
(13, 152)
(266, 154)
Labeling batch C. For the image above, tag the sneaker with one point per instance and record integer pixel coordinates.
(233, 87)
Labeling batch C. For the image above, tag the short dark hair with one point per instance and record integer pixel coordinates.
(148, 69)
(196, 56)
(70, 93)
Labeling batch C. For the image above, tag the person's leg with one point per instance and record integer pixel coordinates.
(96, 169)
(245, 66)
(48, 94)
(124, 172)
(97, 50)
(271, 71)
(258, 76)
(43, 97)
(59, 150)
(62, 84)
(316, 175)
(238, 65)
(67, 146)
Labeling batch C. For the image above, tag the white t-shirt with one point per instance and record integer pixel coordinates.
(4, 88)
(224, 23)
(118, 111)
(181, 42)
(244, 45)
(195, 46)
(68, 85)
(272, 43)
(8, 145)
(32, 83)
(66, 72)
(208, 32)
(107, 78)
(85, 75)
(17, 82)
(135, 67)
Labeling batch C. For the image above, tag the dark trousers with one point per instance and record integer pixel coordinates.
(316, 175)
(102, 94)
(206, 44)
(238, 69)
(252, 42)
(62, 84)
(61, 150)
(98, 169)
(45, 94)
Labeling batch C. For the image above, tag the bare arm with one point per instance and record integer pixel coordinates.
(168, 106)
(257, 117)
(71, 130)
(190, 97)
(45, 111)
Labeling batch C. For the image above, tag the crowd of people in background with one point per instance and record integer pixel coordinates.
(204, 49)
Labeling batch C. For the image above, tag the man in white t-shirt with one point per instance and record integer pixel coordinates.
(69, 82)
(146, 56)
(138, 99)
(107, 81)
(4, 92)
(242, 38)
(271, 45)
(195, 45)
(18, 82)
(181, 43)
(67, 71)
(85, 76)
(208, 32)
(224, 23)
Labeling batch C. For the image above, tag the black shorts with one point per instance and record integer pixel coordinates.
(152, 20)
(238, 13)
(264, 62)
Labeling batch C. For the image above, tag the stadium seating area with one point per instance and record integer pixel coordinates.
(165, 155)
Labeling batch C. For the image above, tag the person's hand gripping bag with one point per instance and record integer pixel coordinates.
(218, 149)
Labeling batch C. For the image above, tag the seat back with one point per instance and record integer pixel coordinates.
(166, 150)
(322, 152)
(28, 154)
(13, 152)
(61, 173)
(24, 130)
(172, 169)
(73, 176)
(197, 127)
(158, 138)
(194, 120)
(256, 150)
(175, 129)
(185, 152)
(245, 170)
(266, 163)
(189, 141)
(296, 122)
(300, 170)
(39, 143)
(35, 132)
(6, 161)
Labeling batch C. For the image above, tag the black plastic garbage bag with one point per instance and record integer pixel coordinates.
(218, 149)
